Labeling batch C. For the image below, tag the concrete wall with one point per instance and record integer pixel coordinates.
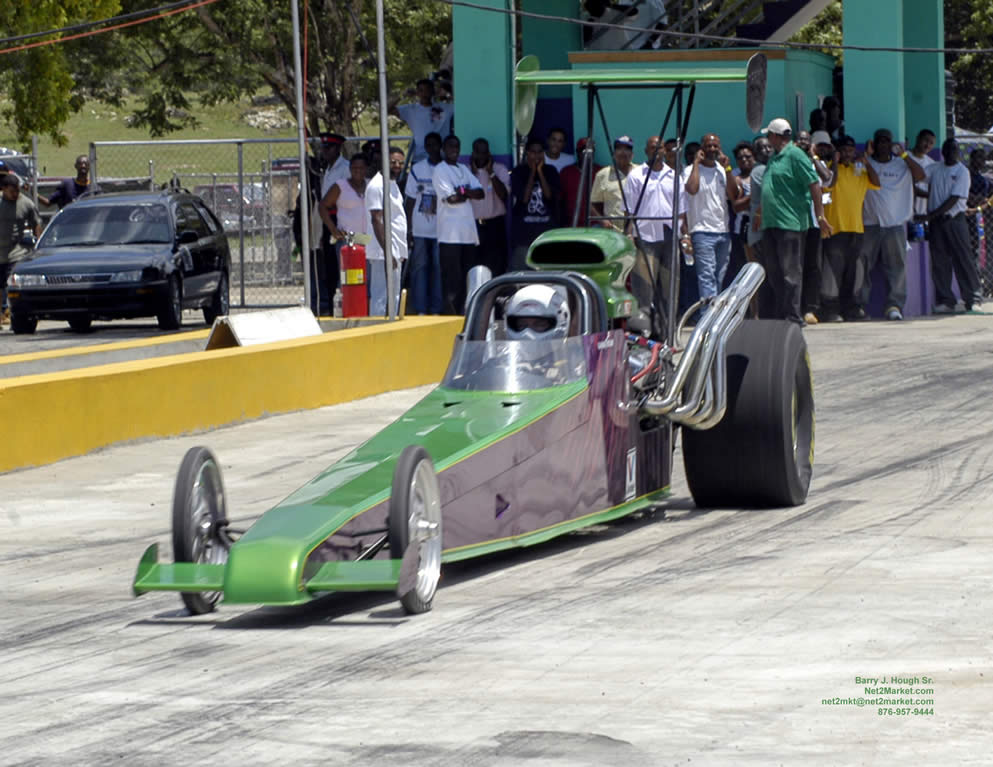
(57, 415)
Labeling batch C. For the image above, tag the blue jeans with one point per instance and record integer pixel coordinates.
(425, 277)
(711, 251)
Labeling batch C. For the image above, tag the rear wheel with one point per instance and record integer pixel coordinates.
(170, 314)
(22, 323)
(761, 453)
(198, 518)
(81, 324)
(220, 303)
(415, 528)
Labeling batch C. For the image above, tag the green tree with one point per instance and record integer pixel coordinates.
(38, 82)
(226, 51)
(968, 24)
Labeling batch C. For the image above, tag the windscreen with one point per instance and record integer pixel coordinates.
(515, 366)
(108, 225)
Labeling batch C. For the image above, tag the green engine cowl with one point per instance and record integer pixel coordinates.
(605, 255)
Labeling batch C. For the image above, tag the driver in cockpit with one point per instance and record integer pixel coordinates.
(538, 313)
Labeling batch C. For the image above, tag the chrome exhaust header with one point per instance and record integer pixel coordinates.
(698, 393)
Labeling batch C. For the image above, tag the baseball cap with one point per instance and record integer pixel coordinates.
(332, 138)
(624, 141)
(846, 141)
(580, 145)
(820, 137)
(779, 126)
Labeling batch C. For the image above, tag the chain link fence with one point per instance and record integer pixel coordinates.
(976, 152)
(251, 185)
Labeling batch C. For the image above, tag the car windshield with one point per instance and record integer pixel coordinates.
(108, 225)
(515, 366)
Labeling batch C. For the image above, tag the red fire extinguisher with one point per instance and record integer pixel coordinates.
(354, 299)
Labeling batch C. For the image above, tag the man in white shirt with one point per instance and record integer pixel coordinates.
(335, 166)
(491, 211)
(425, 116)
(422, 212)
(923, 145)
(885, 213)
(455, 185)
(648, 191)
(710, 184)
(951, 250)
(375, 251)
(554, 156)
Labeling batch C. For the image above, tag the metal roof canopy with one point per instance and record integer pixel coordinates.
(528, 76)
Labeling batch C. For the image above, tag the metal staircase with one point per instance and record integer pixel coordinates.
(767, 20)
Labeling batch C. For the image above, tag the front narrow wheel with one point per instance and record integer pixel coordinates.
(415, 528)
(198, 517)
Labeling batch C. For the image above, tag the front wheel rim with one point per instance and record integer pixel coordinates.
(424, 528)
(207, 513)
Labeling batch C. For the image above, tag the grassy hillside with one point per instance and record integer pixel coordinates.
(101, 122)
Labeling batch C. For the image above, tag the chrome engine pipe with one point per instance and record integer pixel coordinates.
(707, 392)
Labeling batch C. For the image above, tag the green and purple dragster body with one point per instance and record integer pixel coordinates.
(529, 440)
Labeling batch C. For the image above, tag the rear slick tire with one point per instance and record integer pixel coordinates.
(761, 454)
(198, 513)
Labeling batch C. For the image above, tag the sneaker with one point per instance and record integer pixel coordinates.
(960, 306)
(944, 309)
(894, 313)
(832, 317)
(810, 318)
(855, 314)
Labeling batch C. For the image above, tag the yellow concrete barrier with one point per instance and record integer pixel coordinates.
(57, 415)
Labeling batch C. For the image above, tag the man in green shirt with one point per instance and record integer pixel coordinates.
(789, 186)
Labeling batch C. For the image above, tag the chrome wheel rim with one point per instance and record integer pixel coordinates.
(424, 528)
(207, 504)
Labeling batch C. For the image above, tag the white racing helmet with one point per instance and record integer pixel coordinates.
(537, 312)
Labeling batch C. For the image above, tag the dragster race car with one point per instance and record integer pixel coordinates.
(547, 420)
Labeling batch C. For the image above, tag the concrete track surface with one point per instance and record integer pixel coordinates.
(684, 637)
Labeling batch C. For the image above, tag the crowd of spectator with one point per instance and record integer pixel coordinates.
(818, 211)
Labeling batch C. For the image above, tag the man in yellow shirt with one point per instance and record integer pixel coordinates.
(841, 279)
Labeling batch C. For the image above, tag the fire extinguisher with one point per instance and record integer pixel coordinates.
(354, 298)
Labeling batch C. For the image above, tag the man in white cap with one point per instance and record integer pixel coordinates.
(789, 186)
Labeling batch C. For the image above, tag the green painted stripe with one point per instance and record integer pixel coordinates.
(547, 533)
(628, 76)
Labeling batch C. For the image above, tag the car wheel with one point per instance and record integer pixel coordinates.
(198, 516)
(170, 316)
(22, 323)
(81, 324)
(415, 528)
(761, 454)
(220, 303)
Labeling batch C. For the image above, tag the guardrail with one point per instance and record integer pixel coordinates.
(52, 416)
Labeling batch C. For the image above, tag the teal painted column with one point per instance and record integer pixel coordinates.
(551, 41)
(924, 73)
(874, 80)
(484, 66)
